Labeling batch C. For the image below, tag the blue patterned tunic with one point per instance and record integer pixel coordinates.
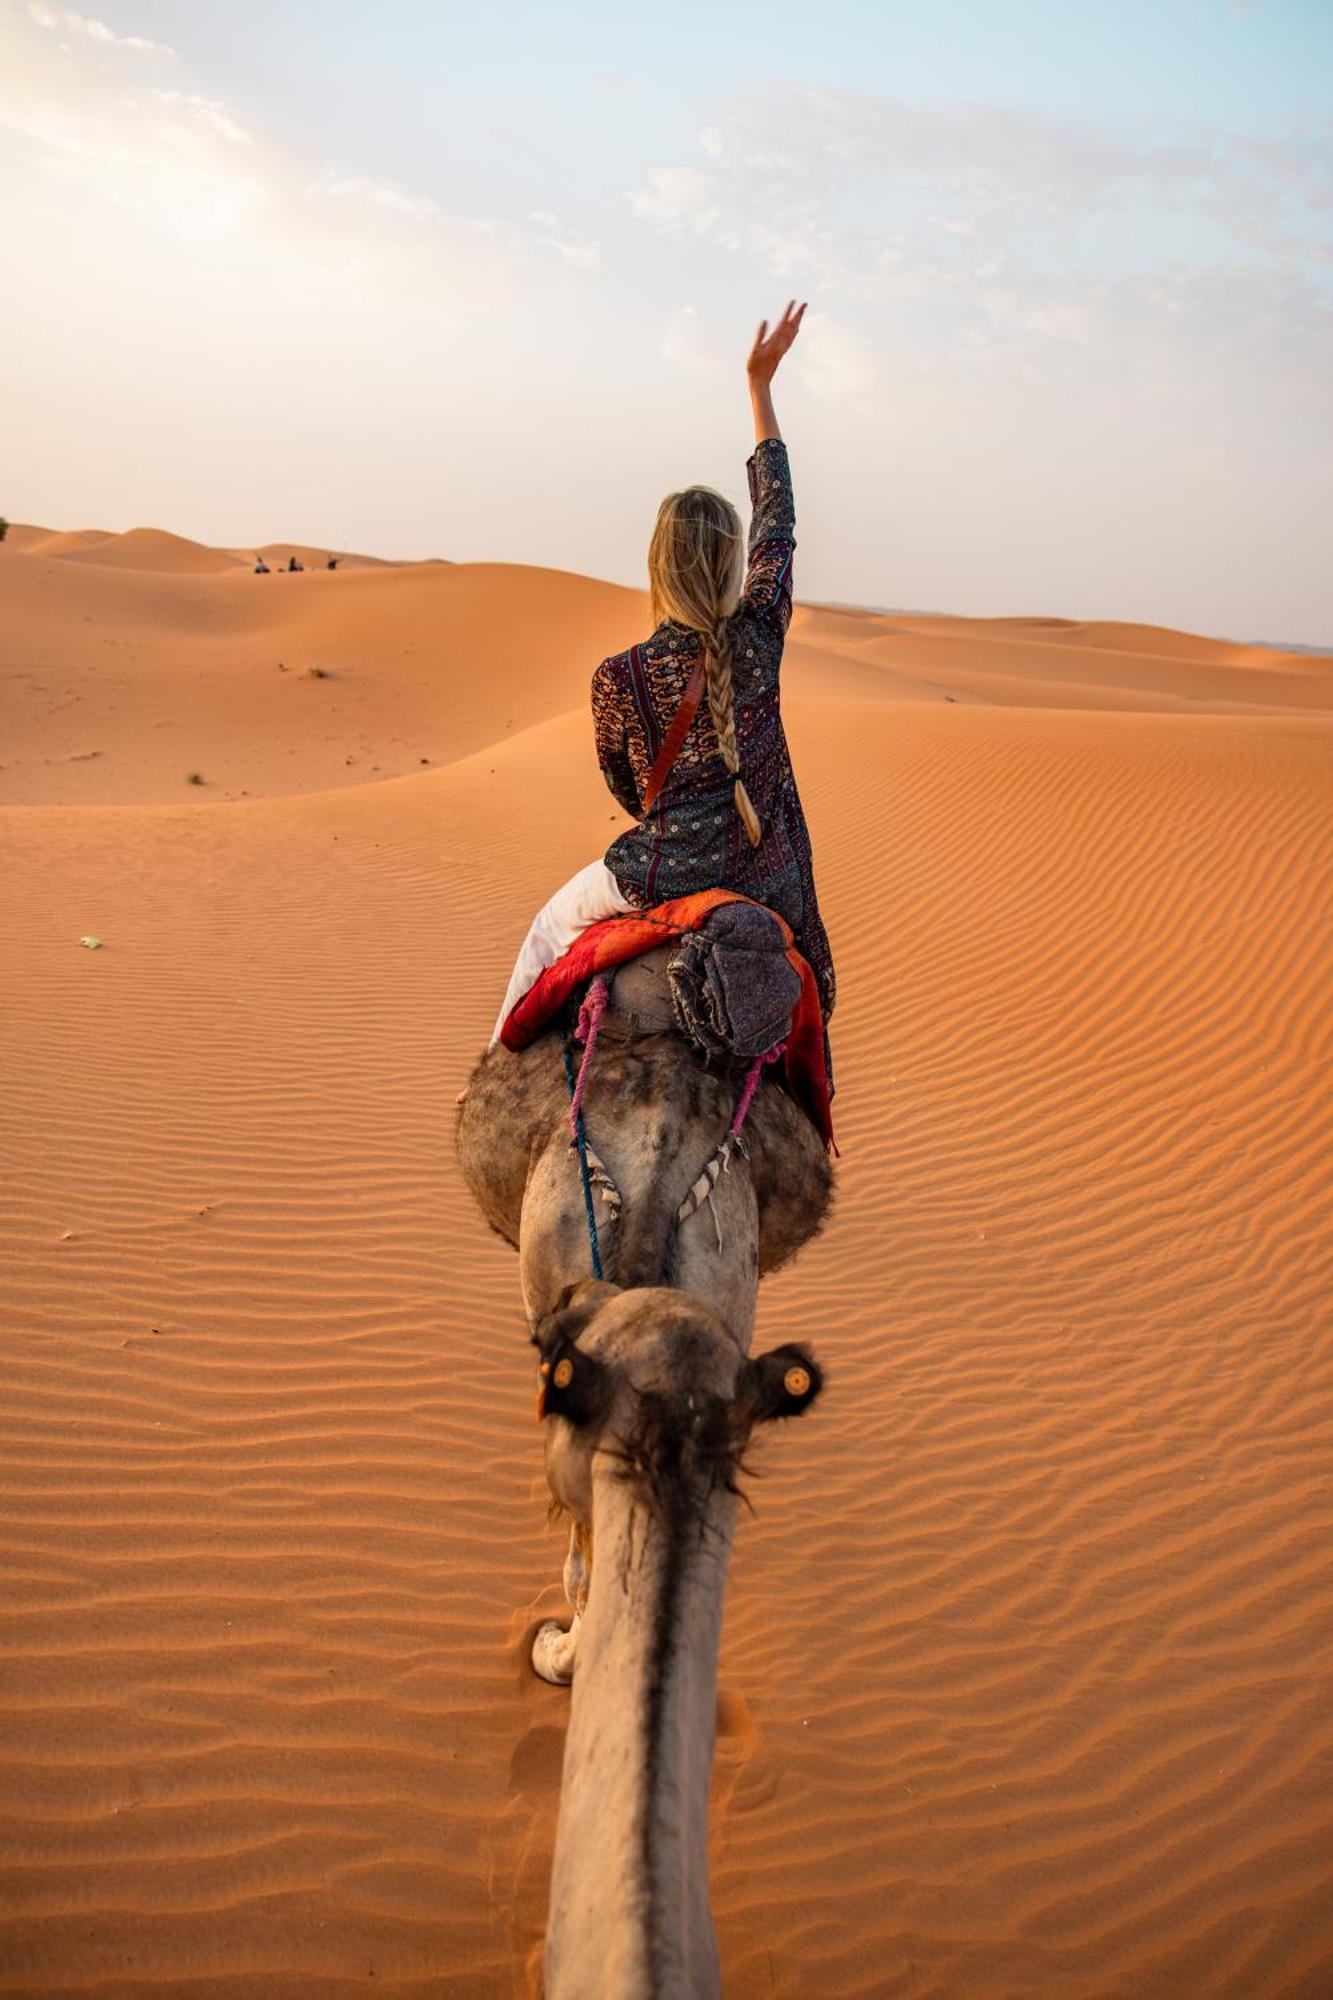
(693, 837)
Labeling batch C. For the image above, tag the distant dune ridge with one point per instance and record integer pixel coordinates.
(1024, 1674)
(174, 657)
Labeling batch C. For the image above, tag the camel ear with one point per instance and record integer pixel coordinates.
(573, 1384)
(577, 1305)
(782, 1383)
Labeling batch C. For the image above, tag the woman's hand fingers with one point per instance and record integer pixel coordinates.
(769, 348)
(790, 324)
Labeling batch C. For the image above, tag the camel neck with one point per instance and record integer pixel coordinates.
(629, 1912)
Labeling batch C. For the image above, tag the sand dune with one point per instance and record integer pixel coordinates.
(151, 549)
(127, 681)
(1025, 1663)
(51, 542)
(131, 678)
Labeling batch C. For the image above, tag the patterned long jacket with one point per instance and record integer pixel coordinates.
(692, 838)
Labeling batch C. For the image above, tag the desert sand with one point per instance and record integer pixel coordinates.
(1024, 1681)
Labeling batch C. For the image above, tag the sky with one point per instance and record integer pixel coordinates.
(480, 283)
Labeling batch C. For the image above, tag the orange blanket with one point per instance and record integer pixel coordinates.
(609, 943)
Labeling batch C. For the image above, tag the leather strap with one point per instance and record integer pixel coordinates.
(678, 731)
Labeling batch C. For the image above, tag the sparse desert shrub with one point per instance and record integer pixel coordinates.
(195, 778)
(4, 527)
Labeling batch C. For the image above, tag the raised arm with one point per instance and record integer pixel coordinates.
(768, 570)
(762, 366)
(768, 574)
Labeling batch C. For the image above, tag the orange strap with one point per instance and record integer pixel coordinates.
(676, 734)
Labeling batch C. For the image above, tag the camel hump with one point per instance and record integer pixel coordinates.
(728, 989)
(641, 993)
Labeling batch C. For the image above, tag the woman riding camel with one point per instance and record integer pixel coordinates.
(716, 806)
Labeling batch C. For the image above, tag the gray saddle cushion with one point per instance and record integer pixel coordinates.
(732, 985)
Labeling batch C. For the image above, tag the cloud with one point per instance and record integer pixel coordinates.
(169, 155)
(686, 345)
(385, 196)
(1071, 322)
(209, 113)
(184, 161)
(837, 363)
(576, 249)
(676, 196)
(840, 364)
(69, 21)
(961, 226)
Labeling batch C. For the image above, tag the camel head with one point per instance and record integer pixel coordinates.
(651, 1379)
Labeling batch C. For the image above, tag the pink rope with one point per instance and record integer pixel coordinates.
(587, 1031)
(751, 1084)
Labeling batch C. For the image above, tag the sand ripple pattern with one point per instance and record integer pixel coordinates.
(1025, 1673)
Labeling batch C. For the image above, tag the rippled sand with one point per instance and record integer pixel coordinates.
(1025, 1670)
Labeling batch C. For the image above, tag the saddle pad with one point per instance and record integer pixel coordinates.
(603, 946)
(733, 988)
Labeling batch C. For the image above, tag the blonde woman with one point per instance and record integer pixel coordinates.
(716, 806)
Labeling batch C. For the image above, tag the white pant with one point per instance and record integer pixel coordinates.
(585, 899)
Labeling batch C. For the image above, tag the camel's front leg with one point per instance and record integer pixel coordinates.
(554, 1648)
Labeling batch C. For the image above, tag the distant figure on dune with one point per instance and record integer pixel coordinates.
(332, 563)
(292, 563)
(709, 781)
(261, 567)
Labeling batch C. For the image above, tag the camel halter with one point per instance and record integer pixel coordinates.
(592, 1170)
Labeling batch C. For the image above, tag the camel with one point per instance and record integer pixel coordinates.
(649, 1398)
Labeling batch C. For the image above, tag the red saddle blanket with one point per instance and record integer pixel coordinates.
(604, 945)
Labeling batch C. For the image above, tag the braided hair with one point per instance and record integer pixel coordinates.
(721, 707)
(695, 567)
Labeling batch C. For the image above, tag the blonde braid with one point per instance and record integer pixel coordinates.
(722, 709)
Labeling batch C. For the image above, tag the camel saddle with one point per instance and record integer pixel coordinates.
(735, 986)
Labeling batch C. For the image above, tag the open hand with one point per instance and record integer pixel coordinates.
(769, 348)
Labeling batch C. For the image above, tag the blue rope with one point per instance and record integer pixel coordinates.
(581, 1140)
